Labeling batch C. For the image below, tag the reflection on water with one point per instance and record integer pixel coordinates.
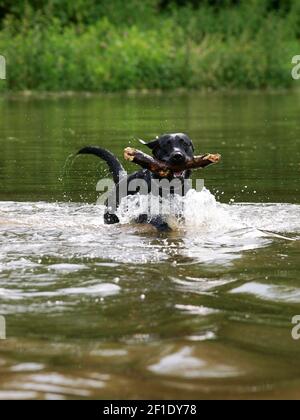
(97, 311)
(269, 292)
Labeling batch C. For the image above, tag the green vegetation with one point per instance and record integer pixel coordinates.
(100, 45)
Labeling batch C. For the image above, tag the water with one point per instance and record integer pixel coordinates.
(121, 312)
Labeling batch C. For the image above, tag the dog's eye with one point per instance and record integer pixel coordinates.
(184, 144)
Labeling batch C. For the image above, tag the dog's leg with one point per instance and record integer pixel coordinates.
(111, 219)
(160, 224)
(156, 222)
(142, 219)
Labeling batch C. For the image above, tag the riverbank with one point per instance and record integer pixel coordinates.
(180, 92)
(242, 47)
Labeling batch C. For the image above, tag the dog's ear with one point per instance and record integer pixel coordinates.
(152, 144)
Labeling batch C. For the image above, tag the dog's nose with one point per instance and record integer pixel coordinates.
(177, 158)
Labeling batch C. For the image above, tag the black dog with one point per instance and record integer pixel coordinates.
(174, 149)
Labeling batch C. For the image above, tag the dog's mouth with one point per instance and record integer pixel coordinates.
(179, 174)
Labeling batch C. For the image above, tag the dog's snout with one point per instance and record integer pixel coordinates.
(178, 158)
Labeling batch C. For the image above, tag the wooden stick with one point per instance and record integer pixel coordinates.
(164, 169)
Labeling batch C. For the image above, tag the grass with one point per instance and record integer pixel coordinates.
(245, 46)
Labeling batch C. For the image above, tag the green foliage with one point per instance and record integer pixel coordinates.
(116, 45)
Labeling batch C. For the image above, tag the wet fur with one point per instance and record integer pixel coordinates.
(167, 148)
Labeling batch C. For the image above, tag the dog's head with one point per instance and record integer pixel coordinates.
(174, 149)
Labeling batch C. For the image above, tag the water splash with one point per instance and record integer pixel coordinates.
(197, 210)
(201, 212)
(208, 232)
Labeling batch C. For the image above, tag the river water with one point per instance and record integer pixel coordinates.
(95, 311)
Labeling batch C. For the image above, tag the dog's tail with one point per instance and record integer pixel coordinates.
(113, 163)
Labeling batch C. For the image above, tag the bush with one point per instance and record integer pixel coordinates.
(247, 44)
